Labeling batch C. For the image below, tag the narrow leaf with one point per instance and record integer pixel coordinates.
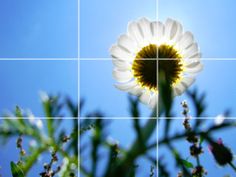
(16, 170)
(187, 164)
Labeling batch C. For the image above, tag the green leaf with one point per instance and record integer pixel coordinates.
(18, 112)
(134, 106)
(187, 164)
(201, 140)
(16, 170)
(175, 153)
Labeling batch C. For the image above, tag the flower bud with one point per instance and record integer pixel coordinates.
(221, 153)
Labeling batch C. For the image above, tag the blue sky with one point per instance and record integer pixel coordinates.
(21, 82)
(102, 21)
(37, 29)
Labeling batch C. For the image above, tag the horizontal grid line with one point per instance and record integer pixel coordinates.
(128, 59)
(39, 59)
(210, 118)
(35, 118)
(109, 59)
(116, 118)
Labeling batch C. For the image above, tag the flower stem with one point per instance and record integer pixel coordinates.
(233, 166)
(198, 161)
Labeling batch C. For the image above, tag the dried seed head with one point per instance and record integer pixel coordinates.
(19, 142)
(192, 138)
(198, 171)
(65, 139)
(195, 150)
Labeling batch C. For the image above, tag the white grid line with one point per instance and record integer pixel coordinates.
(157, 106)
(42, 118)
(106, 59)
(116, 118)
(78, 70)
(201, 59)
(39, 59)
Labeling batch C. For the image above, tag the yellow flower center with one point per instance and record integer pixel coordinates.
(166, 57)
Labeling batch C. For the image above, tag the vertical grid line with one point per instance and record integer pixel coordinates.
(78, 58)
(157, 106)
(157, 18)
(78, 158)
(78, 79)
(157, 149)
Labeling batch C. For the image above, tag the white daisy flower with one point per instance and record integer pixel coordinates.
(220, 119)
(147, 45)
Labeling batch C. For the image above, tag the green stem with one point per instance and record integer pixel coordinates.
(233, 166)
(136, 149)
(50, 128)
(33, 157)
(127, 163)
(198, 161)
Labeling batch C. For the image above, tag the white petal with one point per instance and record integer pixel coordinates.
(126, 86)
(189, 51)
(171, 28)
(153, 101)
(194, 64)
(154, 29)
(187, 81)
(183, 85)
(135, 32)
(174, 92)
(118, 52)
(145, 97)
(137, 90)
(121, 64)
(122, 76)
(160, 31)
(195, 55)
(178, 33)
(185, 41)
(145, 27)
(177, 91)
(195, 69)
(127, 43)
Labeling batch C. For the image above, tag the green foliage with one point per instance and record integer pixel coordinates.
(167, 140)
(187, 164)
(198, 101)
(16, 170)
(120, 161)
(47, 133)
